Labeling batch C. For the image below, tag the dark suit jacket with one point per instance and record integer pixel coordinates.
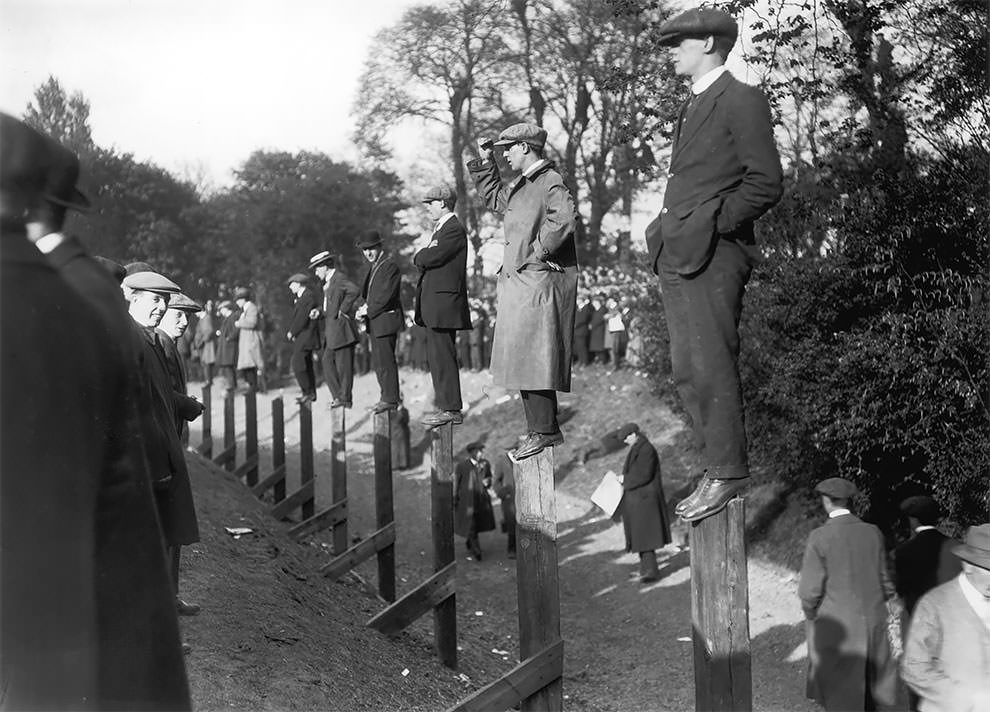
(582, 321)
(441, 292)
(227, 341)
(596, 328)
(94, 627)
(339, 297)
(724, 174)
(922, 563)
(305, 332)
(186, 408)
(381, 293)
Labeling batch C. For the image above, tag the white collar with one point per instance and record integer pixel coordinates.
(922, 527)
(443, 219)
(533, 167)
(707, 79)
(979, 602)
(838, 512)
(49, 242)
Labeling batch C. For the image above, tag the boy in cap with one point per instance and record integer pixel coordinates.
(382, 313)
(843, 590)
(339, 333)
(724, 174)
(304, 334)
(946, 659)
(442, 303)
(537, 285)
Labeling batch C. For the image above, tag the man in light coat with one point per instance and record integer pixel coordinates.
(250, 360)
(537, 284)
(843, 589)
(946, 659)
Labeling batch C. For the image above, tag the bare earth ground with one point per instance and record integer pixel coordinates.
(276, 635)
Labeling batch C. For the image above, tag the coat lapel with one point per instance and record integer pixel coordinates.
(703, 106)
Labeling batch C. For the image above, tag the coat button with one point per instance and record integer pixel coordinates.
(664, 211)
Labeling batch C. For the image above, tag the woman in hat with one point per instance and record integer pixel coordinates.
(249, 341)
(644, 508)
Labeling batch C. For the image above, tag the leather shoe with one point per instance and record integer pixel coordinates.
(537, 442)
(186, 609)
(712, 497)
(442, 417)
(382, 406)
(689, 500)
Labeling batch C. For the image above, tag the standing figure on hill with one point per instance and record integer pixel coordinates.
(442, 303)
(843, 589)
(582, 330)
(382, 313)
(479, 334)
(505, 487)
(724, 174)
(304, 333)
(227, 338)
(472, 507)
(339, 330)
(537, 285)
(946, 660)
(205, 341)
(249, 339)
(598, 330)
(644, 507)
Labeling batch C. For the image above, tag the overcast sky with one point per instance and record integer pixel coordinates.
(189, 83)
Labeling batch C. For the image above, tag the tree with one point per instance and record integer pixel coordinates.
(63, 116)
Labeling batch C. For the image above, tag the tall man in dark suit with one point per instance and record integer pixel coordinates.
(925, 560)
(382, 312)
(304, 334)
(442, 303)
(339, 331)
(724, 174)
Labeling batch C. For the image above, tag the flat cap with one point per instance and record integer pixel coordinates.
(321, 258)
(132, 267)
(372, 238)
(183, 303)
(837, 488)
(922, 507)
(242, 293)
(298, 277)
(151, 282)
(440, 192)
(699, 22)
(626, 430)
(475, 446)
(114, 268)
(523, 133)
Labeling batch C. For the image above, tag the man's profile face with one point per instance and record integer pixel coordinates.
(147, 308)
(514, 154)
(174, 323)
(436, 209)
(980, 578)
(688, 56)
(372, 253)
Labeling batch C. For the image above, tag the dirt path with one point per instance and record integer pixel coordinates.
(627, 645)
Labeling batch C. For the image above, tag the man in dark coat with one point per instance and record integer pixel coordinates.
(582, 330)
(644, 507)
(925, 560)
(596, 330)
(843, 589)
(304, 334)
(442, 303)
(171, 330)
(479, 334)
(472, 507)
(504, 484)
(382, 313)
(336, 309)
(724, 174)
(227, 338)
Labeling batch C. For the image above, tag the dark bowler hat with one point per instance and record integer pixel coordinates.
(151, 282)
(25, 158)
(183, 303)
(836, 488)
(440, 192)
(297, 277)
(921, 507)
(523, 133)
(242, 293)
(133, 267)
(114, 268)
(699, 22)
(60, 179)
(475, 446)
(626, 430)
(370, 239)
(321, 258)
(976, 549)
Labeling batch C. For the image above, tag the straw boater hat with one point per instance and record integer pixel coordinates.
(321, 258)
(976, 548)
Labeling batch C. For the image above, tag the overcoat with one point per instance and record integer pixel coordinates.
(843, 589)
(227, 338)
(534, 331)
(504, 484)
(185, 407)
(205, 339)
(582, 323)
(644, 508)
(596, 329)
(472, 507)
(441, 291)
(249, 339)
(921, 563)
(305, 331)
(337, 309)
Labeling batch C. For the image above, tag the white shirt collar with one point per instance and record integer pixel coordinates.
(922, 527)
(49, 242)
(534, 167)
(707, 79)
(838, 512)
(442, 220)
(979, 602)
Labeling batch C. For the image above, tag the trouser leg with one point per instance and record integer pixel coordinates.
(387, 373)
(302, 369)
(344, 364)
(442, 355)
(541, 411)
(330, 373)
(648, 565)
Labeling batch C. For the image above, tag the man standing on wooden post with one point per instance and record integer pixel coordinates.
(442, 303)
(339, 332)
(304, 334)
(724, 174)
(537, 285)
(383, 315)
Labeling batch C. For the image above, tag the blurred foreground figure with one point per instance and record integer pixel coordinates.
(86, 613)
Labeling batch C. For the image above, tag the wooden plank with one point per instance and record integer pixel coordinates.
(226, 456)
(250, 473)
(521, 682)
(229, 435)
(206, 426)
(340, 565)
(538, 588)
(720, 611)
(338, 473)
(278, 448)
(319, 522)
(306, 456)
(433, 591)
(442, 517)
(294, 500)
(275, 478)
(384, 508)
(246, 466)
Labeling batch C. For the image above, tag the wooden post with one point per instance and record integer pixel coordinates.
(278, 446)
(536, 570)
(720, 612)
(306, 454)
(251, 436)
(338, 473)
(442, 515)
(206, 428)
(384, 510)
(229, 435)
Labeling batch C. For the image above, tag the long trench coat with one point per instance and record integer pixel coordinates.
(644, 509)
(249, 339)
(472, 507)
(534, 331)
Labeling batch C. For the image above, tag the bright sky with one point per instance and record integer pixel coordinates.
(198, 84)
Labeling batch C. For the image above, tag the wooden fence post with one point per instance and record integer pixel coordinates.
(442, 515)
(278, 446)
(306, 454)
(723, 679)
(229, 435)
(251, 436)
(338, 473)
(384, 509)
(206, 442)
(536, 570)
